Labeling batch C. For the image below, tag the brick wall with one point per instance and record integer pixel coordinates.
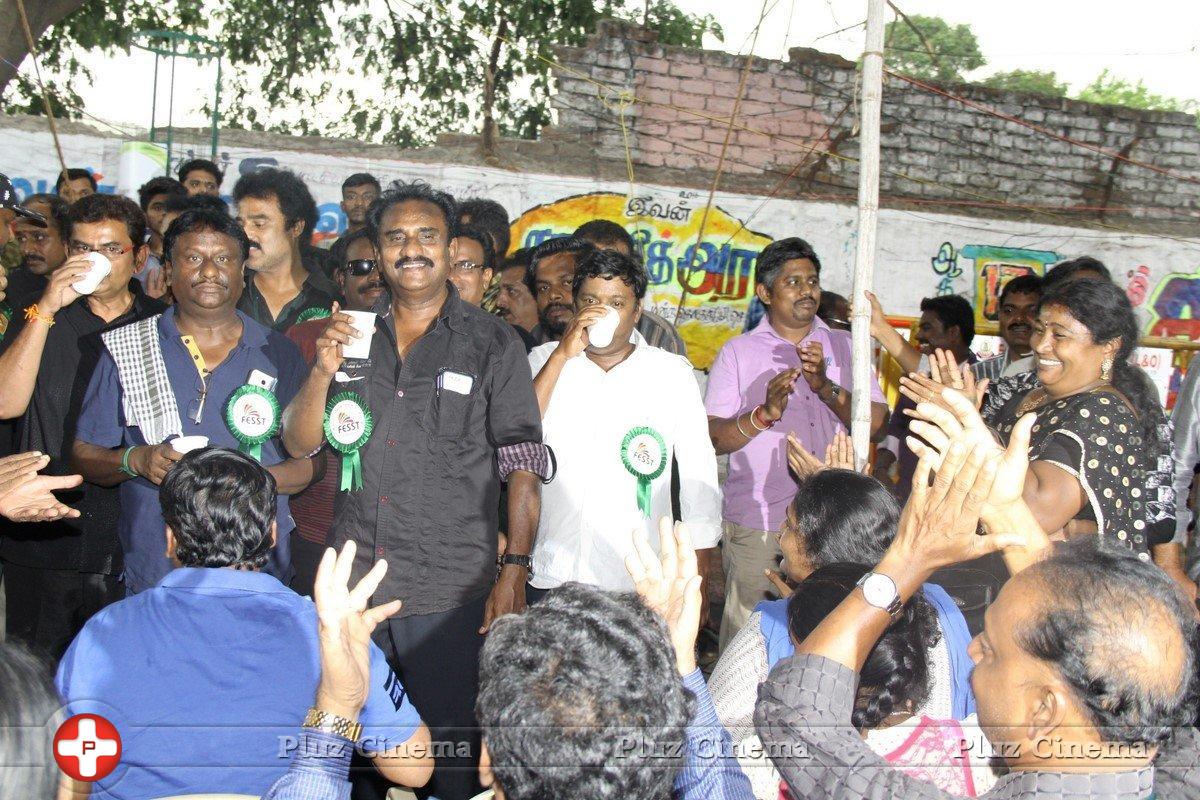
(798, 116)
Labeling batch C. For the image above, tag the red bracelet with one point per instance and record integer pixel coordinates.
(754, 420)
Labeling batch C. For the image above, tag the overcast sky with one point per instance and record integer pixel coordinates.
(1157, 41)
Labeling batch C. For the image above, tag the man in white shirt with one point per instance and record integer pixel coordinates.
(614, 416)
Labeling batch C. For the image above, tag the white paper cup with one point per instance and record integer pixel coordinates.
(600, 332)
(186, 444)
(364, 323)
(101, 266)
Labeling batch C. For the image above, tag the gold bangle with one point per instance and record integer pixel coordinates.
(738, 422)
(33, 312)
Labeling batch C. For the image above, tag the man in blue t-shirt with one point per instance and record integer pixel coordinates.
(208, 675)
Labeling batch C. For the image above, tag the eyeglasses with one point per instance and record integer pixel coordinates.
(466, 266)
(360, 267)
(112, 249)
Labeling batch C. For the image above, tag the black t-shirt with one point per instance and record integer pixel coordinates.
(73, 347)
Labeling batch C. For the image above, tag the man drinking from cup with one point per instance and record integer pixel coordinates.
(58, 574)
(428, 426)
(358, 278)
(619, 414)
(201, 368)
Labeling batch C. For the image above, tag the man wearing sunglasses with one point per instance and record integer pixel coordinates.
(58, 574)
(361, 284)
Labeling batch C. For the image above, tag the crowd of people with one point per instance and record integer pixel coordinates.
(422, 508)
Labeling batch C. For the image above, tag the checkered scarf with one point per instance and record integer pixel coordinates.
(146, 395)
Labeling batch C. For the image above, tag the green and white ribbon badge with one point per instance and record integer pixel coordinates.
(312, 313)
(348, 426)
(253, 416)
(644, 454)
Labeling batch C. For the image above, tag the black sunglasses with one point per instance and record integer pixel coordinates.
(359, 267)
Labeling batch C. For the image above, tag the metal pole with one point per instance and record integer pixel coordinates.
(868, 218)
(171, 110)
(216, 115)
(154, 107)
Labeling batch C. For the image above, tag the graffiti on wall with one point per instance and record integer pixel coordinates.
(1174, 307)
(996, 266)
(715, 280)
(945, 266)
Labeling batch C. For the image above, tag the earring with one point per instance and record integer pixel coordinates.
(1106, 369)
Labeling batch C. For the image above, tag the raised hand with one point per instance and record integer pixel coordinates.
(344, 628)
(939, 522)
(575, 337)
(940, 428)
(840, 452)
(58, 293)
(802, 462)
(779, 389)
(670, 586)
(812, 365)
(26, 496)
(339, 330)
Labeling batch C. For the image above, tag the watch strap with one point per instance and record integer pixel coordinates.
(518, 561)
(894, 605)
(332, 723)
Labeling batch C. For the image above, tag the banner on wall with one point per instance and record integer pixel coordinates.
(705, 291)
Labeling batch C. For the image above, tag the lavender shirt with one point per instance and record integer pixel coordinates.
(760, 486)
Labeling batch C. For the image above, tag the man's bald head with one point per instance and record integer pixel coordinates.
(1120, 634)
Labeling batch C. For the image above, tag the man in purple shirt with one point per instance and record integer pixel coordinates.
(791, 373)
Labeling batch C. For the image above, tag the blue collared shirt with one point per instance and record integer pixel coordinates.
(102, 423)
(207, 677)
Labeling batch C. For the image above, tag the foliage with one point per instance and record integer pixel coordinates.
(1028, 80)
(1111, 90)
(396, 71)
(955, 50)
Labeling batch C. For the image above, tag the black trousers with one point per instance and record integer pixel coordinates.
(306, 557)
(436, 657)
(46, 608)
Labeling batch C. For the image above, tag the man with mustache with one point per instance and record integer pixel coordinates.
(278, 213)
(1018, 306)
(514, 302)
(43, 247)
(790, 374)
(362, 285)
(551, 273)
(180, 374)
(454, 415)
(57, 574)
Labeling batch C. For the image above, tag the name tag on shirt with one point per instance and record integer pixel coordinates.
(455, 382)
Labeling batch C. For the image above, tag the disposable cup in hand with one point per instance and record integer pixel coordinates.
(101, 266)
(186, 444)
(364, 323)
(600, 332)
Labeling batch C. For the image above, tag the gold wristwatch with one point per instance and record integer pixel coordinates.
(332, 723)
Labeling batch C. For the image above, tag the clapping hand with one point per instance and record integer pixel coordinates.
(26, 496)
(838, 455)
(670, 586)
(954, 421)
(345, 624)
(944, 371)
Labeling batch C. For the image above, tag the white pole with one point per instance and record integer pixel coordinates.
(868, 214)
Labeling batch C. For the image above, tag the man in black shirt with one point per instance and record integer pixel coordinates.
(278, 213)
(43, 247)
(58, 574)
(449, 391)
